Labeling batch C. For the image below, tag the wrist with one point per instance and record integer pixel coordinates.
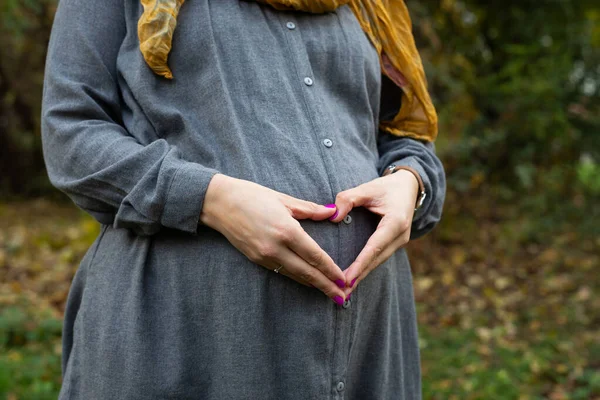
(404, 176)
(394, 169)
(213, 199)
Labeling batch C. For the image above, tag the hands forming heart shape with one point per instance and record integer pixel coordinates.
(263, 224)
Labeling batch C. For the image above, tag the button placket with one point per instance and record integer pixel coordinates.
(320, 121)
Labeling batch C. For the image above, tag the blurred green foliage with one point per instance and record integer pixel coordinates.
(41, 245)
(517, 87)
(505, 284)
(30, 351)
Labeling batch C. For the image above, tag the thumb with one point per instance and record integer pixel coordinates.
(302, 209)
(348, 199)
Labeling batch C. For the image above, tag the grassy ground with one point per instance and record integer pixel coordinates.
(503, 314)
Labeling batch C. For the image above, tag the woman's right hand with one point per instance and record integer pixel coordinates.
(263, 224)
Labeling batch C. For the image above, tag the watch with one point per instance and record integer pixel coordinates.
(422, 194)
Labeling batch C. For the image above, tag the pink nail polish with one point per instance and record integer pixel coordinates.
(330, 205)
(341, 284)
(334, 215)
(348, 298)
(352, 283)
(338, 300)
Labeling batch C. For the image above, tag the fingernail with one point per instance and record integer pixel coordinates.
(334, 215)
(338, 300)
(348, 298)
(330, 205)
(352, 283)
(341, 284)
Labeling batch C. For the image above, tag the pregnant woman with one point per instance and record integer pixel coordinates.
(257, 168)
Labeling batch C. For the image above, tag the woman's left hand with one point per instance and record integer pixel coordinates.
(393, 197)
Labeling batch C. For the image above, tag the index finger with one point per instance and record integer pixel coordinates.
(306, 247)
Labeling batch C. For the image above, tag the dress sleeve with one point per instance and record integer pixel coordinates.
(89, 155)
(414, 153)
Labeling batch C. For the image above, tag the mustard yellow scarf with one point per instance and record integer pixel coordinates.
(386, 23)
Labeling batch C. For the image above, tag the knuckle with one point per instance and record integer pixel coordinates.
(376, 250)
(283, 234)
(404, 224)
(311, 207)
(252, 257)
(255, 257)
(342, 197)
(400, 222)
(286, 233)
(405, 239)
(315, 258)
(306, 275)
(265, 251)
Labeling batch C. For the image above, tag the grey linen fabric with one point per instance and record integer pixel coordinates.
(164, 307)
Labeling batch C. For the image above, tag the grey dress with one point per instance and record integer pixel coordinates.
(164, 307)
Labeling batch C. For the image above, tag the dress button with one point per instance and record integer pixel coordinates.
(347, 219)
(327, 142)
(346, 304)
(340, 386)
(291, 25)
(308, 81)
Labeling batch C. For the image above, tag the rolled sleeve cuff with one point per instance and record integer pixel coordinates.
(186, 197)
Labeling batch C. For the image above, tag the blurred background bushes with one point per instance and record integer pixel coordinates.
(516, 84)
(506, 285)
